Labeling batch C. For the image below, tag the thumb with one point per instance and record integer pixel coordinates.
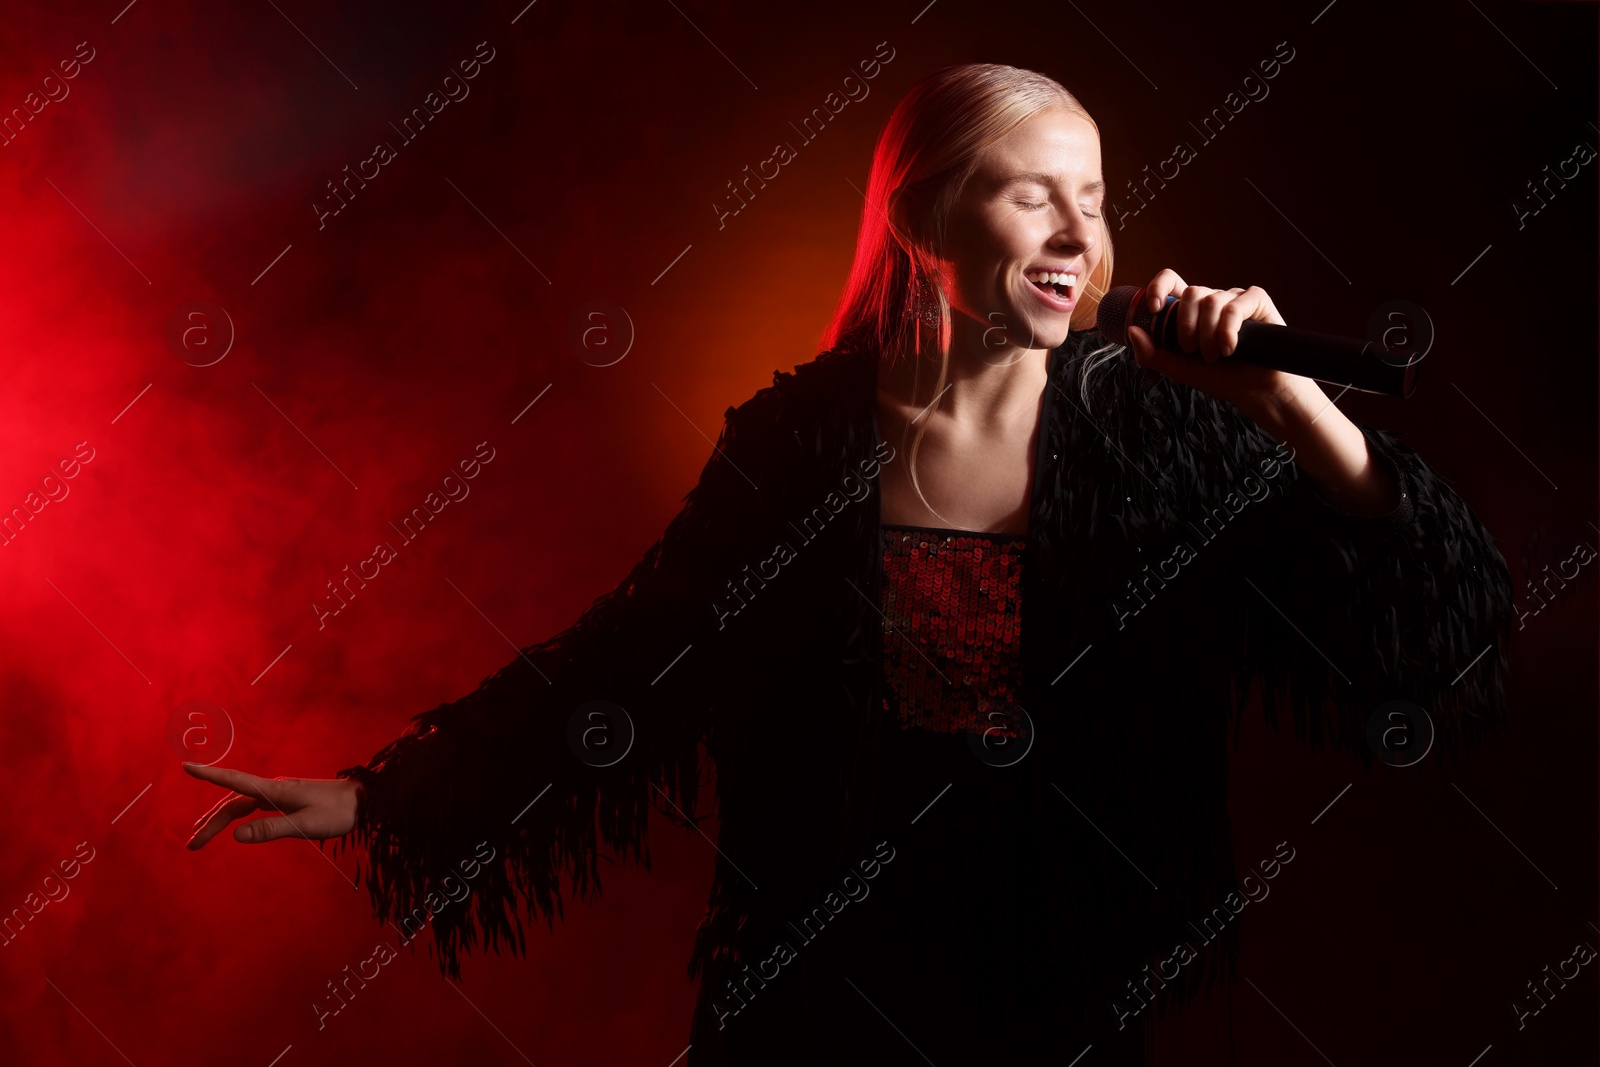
(1144, 350)
(268, 829)
(1147, 355)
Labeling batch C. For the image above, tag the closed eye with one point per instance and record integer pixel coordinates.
(1034, 205)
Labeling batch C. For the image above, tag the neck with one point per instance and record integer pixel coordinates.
(988, 383)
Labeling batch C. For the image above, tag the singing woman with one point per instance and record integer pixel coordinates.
(960, 614)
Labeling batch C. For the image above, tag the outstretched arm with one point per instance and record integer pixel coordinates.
(529, 771)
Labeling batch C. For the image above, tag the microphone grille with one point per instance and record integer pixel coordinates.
(1112, 316)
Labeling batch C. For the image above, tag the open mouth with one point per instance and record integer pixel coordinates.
(1060, 286)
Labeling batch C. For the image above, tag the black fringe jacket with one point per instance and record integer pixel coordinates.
(1178, 569)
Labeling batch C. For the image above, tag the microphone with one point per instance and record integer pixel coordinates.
(1363, 365)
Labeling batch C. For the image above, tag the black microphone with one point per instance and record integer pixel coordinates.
(1363, 365)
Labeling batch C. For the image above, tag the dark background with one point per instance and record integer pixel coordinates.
(377, 352)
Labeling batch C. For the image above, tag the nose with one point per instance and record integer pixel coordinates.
(1077, 234)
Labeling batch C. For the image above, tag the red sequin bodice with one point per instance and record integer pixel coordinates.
(951, 626)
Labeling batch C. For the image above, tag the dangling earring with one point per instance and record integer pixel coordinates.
(925, 300)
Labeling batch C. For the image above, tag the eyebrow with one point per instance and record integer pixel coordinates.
(1098, 185)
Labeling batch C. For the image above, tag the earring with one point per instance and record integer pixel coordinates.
(925, 302)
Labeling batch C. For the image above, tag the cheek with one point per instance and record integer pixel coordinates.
(990, 249)
(993, 286)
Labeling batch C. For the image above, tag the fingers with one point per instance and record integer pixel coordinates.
(1146, 354)
(1209, 319)
(238, 781)
(1163, 285)
(248, 793)
(1139, 341)
(234, 807)
(1211, 307)
(281, 793)
(1188, 311)
(1160, 363)
(268, 829)
(212, 811)
(1251, 303)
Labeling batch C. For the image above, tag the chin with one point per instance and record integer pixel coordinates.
(1048, 332)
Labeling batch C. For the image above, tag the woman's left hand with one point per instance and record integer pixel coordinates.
(1208, 320)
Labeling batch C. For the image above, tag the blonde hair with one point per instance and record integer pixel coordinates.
(927, 152)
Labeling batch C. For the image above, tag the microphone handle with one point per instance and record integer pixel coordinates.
(1361, 365)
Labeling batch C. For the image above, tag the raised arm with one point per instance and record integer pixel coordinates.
(1349, 605)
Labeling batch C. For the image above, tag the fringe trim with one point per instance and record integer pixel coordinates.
(1376, 609)
(496, 766)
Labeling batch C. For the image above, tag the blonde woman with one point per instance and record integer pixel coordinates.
(961, 612)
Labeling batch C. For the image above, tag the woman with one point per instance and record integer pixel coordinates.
(962, 611)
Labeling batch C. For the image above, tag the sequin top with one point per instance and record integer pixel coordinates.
(951, 634)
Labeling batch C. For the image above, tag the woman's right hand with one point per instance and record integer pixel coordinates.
(312, 808)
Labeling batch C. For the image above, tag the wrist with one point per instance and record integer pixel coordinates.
(1329, 448)
(1282, 405)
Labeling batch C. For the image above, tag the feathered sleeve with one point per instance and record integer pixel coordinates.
(498, 803)
(1351, 622)
(1339, 615)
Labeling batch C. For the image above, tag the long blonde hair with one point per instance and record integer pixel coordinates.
(927, 152)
